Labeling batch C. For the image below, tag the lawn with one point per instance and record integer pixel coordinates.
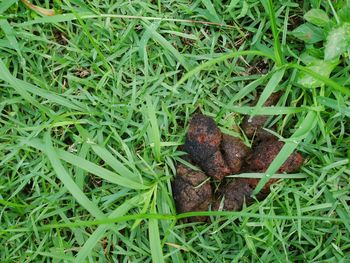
(96, 100)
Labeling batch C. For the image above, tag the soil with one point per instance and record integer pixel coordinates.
(219, 155)
(260, 67)
(60, 37)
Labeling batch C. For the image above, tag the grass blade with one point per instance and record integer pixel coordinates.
(153, 131)
(90, 167)
(269, 89)
(277, 45)
(91, 39)
(98, 234)
(23, 88)
(154, 239)
(276, 176)
(240, 95)
(6, 76)
(10, 35)
(210, 7)
(344, 216)
(267, 110)
(71, 17)
(68, 182)
(113, 162)
(145, 38)
(222, 58)
(334, 104)
(167, 46)
(4, 5)
(100, 171)
(305, 127)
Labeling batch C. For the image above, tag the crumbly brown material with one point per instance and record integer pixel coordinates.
(192, 191)
(265, 152)
(253, 126)
(234, 152)
(203, 145)
(219, 155)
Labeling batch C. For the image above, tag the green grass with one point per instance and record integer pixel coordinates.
(96, 100)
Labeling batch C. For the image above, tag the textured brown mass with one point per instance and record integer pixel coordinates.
(203, 144)
(235, 193)
(254, 125)
(238, 192)
(266, 152)
(190, 192)
(219, 155)
(273, 99)
(234, 152)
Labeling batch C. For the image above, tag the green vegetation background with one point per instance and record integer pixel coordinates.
(96, 99)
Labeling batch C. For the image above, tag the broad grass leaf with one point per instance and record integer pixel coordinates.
(232, 5)
(153, 231)
(271, 87)
(209, 12)
(323, 68)
(168, 47)
(338, 42)
(68, 182)
(99, 233)
(153, 130)
(4, 5)
(10, 34)
(309, 33)
(344, 14)
(335, 104)
(317, 17)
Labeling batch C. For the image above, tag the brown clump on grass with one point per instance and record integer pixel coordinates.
(253, 126)
(203, 145)
(219, 155)
(233, 194)
(265, 152)
(234, 152)
(192, 192)
(237, 192)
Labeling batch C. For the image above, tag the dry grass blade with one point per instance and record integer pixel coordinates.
(38, 9)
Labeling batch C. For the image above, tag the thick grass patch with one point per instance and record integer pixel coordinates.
(96, 100)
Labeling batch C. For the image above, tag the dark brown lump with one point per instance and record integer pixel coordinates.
(234, 195)
(234, 152)
(261, 158)
(253, 126)
(266, 152)
(219, 155)
(273, 99)
(203, 145)
(239, 192)
(192, 192)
